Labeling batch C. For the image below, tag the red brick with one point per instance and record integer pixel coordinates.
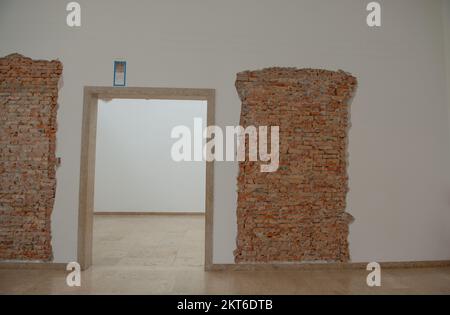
(28, 105)
(298, 212)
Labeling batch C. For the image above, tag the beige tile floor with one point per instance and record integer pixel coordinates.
(163, 254)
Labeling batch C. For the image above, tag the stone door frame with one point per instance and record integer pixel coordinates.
(87, 163)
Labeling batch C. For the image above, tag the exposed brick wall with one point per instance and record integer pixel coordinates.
(28, 105)
(297, 213)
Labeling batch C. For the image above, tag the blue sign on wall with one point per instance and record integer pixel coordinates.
(120, 73)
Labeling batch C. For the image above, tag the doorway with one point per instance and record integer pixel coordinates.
(92, 95)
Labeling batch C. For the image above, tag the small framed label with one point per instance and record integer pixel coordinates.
(120, 73)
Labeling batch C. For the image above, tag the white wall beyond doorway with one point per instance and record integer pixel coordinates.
(134, 171)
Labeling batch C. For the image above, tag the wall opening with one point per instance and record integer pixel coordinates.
(126, 160)
(149, 209)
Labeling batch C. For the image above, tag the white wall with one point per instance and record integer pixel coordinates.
(399, 140)
(134, 170)
(446, 24)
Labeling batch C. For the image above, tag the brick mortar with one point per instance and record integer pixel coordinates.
(297, 213)
(28, 107)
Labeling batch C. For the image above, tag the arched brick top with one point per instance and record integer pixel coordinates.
(297, 213)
